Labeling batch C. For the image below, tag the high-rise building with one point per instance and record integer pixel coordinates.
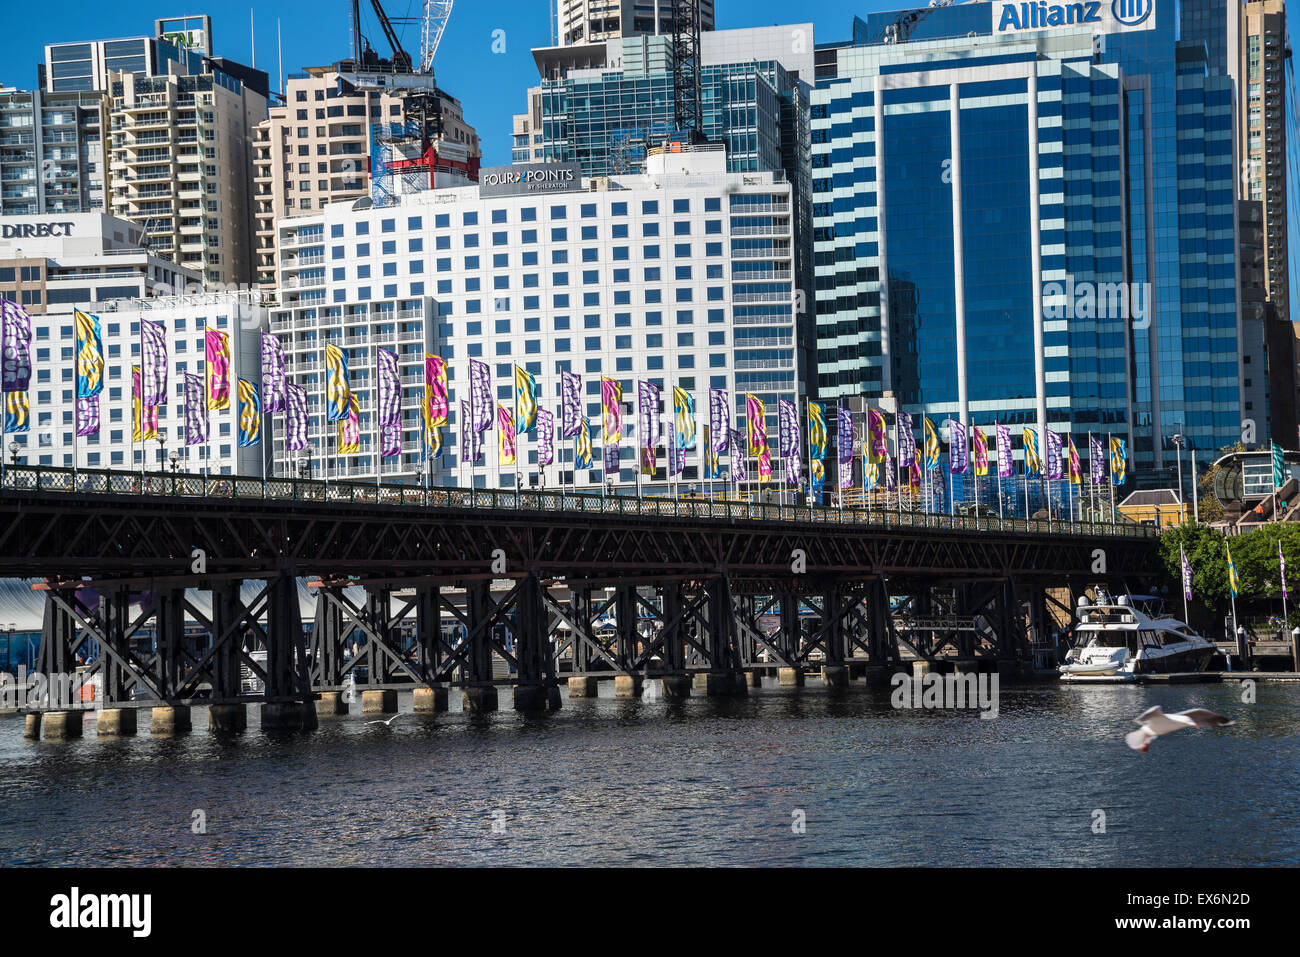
(1030, 223)
(51, 152)
(181, 166)
(681, 275)
(316, 148)
(1259, 68)
(595, 21)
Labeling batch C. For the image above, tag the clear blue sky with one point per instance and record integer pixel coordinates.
(316, 32)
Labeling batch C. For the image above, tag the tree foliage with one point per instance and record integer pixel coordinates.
(1254, 554)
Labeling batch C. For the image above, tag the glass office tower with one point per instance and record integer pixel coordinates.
(1030, 225)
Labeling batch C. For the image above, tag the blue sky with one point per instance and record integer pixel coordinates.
(315, 32)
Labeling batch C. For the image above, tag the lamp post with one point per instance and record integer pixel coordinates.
(1182, 509)
(1295, 642)
(14, 449)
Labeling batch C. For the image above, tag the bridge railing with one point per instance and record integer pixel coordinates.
(188, 485)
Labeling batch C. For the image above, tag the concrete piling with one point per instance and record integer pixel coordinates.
(583, 686)
(379, 701)
(112, 722)
(628, 686)
(228, 718)
(479, 699)
(429, 700)
(170, 719)
(61, 725)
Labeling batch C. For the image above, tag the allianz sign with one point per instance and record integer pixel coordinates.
(1039, 15)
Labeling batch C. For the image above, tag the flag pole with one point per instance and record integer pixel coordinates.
(375, 411)
(1111, 475)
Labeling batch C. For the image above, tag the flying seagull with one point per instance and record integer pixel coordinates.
(1154, 722)
(389, 722)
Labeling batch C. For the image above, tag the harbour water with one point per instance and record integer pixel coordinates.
(694, 782)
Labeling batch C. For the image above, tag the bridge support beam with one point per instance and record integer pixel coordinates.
(114, 722)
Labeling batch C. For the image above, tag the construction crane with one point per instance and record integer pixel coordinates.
(900, 31)
(687, 110)
(399, 71)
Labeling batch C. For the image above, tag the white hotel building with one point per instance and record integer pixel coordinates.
(684, 276)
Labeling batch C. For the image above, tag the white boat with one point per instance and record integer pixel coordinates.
(1125, 638)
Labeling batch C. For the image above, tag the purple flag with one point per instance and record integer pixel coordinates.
(719, 419)
(1054, 470)
(788, 424)
(570, 404)
(480, 397)
(1096, 459)
(295, 405)
(649, 425)
(739, 469)
(153, 364)
(676, 455)
(196, 409)
(889, 471)
(16, 329)
(958, 452)
(88, 415)
(1006, 464)
(390, 404)
(273, 377)
(545, 437)
(1281, 565)
(904, 440)
(471, 442)
(844, 446)
(1187, 572)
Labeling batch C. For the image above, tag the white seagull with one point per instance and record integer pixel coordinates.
(1154, 722)
(389, 722)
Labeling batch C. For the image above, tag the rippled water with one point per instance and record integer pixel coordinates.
(700, 781)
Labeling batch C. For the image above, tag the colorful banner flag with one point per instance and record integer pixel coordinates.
(1096, 459)
(844, 446)
(914, 476)
(88, 416)
(506, 434)
(1234, 584)
(904, 440)
(481, 402)
(1053, 449)
(676, 456)
(350, 427)
(648, 425)
(90, 356)
(468, 450)
(787, 417)
(1118, 461)
(274, 378)
(931, 444)
(153, 363)
(216, 364)
(572, 418)
(1006, 462)
(16, 332)
(1076, 469)
(338, 384)
(981, 443)
(876, 436)
(1279, 465)
(611, 410)
(390, 406)
(434, 404)
(755, 425)
(545, 436)
(582, 455)
(958, 452)
(525, 400)
(712, 463)
(719, 419)
(817, 475)
(1187, 572)
(295, 405)
(250, 414)
(1033, 462)
(683, 419)
(888, 469)
(196, 410)
(17, 412)
(739, 465)
(816, 431)
(144, 419)
(432, 444)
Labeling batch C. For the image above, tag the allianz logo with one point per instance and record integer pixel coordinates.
(1037, 15)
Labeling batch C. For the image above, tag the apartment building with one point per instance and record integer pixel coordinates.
(51, 152)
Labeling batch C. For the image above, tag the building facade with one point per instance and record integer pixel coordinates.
(1030, 225)
(594, 21)
(50, 438)
(682, 275)
(315, 149)
(1260, 73)
(52, 152)
(54, 264)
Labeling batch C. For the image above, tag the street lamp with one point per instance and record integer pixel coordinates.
(1182, 509)
(176, 462)
(304, 465)
(14, 449)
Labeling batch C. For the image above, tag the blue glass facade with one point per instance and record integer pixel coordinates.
(1030, 227)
